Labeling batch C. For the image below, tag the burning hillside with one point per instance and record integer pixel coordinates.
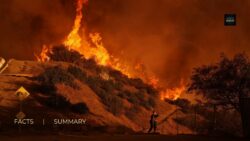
(90, 46)
(146, 39)
(71, 86)
(120, 63)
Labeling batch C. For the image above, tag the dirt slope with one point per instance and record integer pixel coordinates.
(21, 73)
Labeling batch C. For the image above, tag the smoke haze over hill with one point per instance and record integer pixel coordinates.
(168, 37)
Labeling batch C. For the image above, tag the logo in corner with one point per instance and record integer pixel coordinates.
(230, 19)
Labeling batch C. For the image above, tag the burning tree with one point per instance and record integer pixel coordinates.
(226, 83)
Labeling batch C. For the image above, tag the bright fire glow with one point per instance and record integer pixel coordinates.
(173, 93)
(43, 56)
(91, 46)
(74, 40)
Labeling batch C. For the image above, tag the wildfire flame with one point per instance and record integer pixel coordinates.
(91, 46)
(173, 93)
(43, 57)
(74, 40)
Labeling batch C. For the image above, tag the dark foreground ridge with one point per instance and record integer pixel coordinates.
(144, 137)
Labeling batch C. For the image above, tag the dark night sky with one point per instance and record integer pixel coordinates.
(169, 36)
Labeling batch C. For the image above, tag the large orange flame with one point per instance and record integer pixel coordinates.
(91, 46)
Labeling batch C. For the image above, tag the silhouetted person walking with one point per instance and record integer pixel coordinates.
(153, 122)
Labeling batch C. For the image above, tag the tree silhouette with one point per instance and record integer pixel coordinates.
(226, 83)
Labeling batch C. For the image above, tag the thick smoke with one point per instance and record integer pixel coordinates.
(26, 25)
(169, 37)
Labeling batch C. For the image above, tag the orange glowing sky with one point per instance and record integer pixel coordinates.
(169, 37)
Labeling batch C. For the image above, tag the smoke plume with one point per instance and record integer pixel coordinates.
(169, 37)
